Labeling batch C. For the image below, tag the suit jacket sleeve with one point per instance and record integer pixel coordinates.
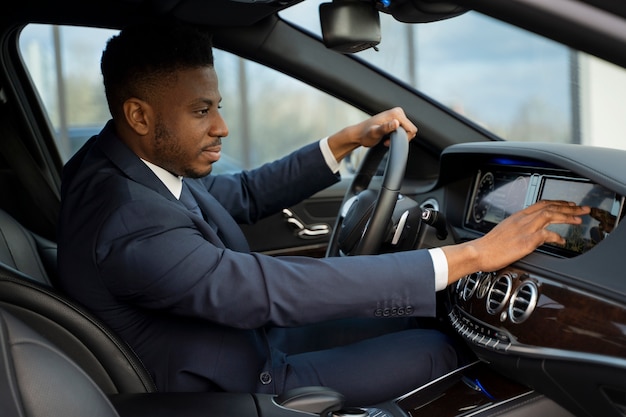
(170, 266)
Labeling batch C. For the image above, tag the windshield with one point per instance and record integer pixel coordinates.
(516, 84)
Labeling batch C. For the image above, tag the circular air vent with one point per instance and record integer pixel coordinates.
(485, 283)
(499, 293)
(470, 285)
(523, 301)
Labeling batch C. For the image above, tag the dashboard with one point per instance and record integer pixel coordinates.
(555, 320)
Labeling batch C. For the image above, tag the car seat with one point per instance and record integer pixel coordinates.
(37, 379)
(26, 293)
(25, 251)
(103, 355)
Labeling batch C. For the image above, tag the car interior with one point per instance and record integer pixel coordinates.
(546, 336)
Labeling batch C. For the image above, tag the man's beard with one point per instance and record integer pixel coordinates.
(170, 154)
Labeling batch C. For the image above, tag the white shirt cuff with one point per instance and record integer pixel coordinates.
(329, 158)
(440, 265)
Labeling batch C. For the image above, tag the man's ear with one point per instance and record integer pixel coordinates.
(138, 115)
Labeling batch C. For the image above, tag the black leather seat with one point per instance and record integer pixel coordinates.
(25, 251)
(36, 379)
(26, 293)
(104, 356)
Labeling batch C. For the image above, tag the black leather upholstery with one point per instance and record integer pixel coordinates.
(26, 293)
(36, 379)
(23, 250)
(105, 357)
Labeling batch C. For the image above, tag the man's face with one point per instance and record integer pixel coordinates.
(188, 128)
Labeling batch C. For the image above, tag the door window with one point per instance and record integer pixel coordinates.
(64, 63)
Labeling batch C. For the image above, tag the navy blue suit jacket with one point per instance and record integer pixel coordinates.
(194, 302)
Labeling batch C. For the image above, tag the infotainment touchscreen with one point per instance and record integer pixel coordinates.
(605, 209)
(497, 193)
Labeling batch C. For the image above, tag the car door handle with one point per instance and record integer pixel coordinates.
(303, 230)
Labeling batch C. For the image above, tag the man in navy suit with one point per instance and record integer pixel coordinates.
(182, 287)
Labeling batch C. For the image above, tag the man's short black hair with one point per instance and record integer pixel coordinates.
(141, 56)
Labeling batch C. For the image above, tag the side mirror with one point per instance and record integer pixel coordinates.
(349, 26)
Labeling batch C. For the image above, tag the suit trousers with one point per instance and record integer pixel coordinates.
(367, 360)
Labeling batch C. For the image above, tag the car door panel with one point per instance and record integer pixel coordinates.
(276, 235)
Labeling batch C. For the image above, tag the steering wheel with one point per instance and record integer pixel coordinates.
(363, 220)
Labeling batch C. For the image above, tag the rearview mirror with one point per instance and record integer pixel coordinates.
(349, 26)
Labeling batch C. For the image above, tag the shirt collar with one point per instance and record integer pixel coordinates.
(173, 182)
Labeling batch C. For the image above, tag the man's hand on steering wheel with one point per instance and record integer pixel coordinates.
(369, 132)
(364, 218)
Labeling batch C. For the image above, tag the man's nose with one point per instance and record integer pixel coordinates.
(219, 127)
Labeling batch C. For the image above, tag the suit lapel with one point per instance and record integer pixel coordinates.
(227, 229)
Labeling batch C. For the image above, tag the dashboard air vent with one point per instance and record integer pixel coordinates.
(499, 293)
(485, 283)
(523, 301)
(470, 285)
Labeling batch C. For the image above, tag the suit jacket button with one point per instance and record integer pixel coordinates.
(378, 312)
(265, 378)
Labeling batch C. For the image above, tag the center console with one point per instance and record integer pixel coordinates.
(476, 390)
